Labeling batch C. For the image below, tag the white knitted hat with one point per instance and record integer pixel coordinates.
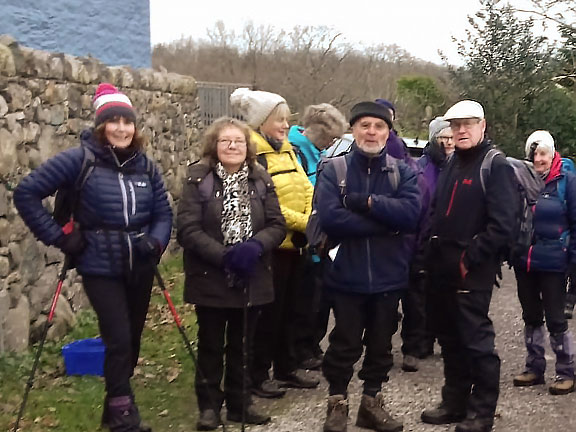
(436, 126)
(544, 140)
(255, 105)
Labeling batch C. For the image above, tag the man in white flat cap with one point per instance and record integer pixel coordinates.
(473, 219)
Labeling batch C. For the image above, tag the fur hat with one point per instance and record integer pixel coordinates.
(109, 102)
(323, 121)
(544, 140)
(255, 105)
(436, 126)
(370, 109)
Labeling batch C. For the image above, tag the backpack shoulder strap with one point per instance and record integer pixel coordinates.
(341, 168)
(301, 157)
(149, 167)
(393, 172)
(206, 186)
(88, 163)
(486, 166)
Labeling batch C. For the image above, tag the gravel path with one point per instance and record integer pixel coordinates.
(407, 394)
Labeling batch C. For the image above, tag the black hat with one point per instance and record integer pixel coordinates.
(370, 109)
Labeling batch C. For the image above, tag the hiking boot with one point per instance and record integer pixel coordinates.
(336, 414)
(123, 415)
(561, 386)
(298, 379)
(106, 414)
(268, 389)
(527, 378)
(208, 420)
(252, 416)
(442, 414)
(373, 415)
(475, 424)
(312, 363)
(410, 364)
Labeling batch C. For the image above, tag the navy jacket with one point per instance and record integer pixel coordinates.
(553, 247)
(115, 205)
(374, 255)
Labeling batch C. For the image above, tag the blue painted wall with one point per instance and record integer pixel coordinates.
(115, 32)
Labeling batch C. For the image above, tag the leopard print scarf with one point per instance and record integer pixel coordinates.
(236, 214)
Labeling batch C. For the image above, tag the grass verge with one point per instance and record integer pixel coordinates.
(163, 380)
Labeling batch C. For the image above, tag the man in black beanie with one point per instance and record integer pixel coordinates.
(367, 215)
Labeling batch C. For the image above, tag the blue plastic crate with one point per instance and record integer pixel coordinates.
(84, 357)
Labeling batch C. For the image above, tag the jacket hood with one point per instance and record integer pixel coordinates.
(104, 152)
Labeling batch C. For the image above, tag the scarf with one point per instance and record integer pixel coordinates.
(236, 215)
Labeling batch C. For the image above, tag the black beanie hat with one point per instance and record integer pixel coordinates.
(370, 109)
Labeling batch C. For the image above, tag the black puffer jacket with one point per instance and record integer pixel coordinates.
(199, 225)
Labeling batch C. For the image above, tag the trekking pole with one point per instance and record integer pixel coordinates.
(244, 352)
(178, 322)
(61, 279)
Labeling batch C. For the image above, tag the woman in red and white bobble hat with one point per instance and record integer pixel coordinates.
(122, 223)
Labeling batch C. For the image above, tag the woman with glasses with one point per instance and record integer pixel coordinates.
(228, 223)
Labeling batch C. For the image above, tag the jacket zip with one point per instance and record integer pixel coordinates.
(452, 198)
(369, 260)
(132, 196)
(124, 198)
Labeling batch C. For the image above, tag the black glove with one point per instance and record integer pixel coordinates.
(148, 247)
(241, 258)
(357, 202)
(72, 242)
(299, 240)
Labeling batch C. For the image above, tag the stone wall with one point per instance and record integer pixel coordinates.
(45, 102)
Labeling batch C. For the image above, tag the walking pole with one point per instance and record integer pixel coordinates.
(244, 352)
(178, 322)
(61, 279)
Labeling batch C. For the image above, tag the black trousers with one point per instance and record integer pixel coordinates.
(220, 335)
(416, 338)
(274, 336)
(361, 320)
(121, 305)
(306, 312)
(542, 295)
(459, 317)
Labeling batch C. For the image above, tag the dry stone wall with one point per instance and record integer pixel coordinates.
(45, 102)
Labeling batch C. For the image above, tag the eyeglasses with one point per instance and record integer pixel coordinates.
(465, 123)
(447, 138)
(228, 142)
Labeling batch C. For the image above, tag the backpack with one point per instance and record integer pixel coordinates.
(66, 198)
(317, 239)
(530, 185)
(302, 158)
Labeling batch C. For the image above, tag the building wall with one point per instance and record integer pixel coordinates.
(117, 33)
(45, 103)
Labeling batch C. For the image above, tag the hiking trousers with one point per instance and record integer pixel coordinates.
(458, 311)
(361, 320)
(121, 305)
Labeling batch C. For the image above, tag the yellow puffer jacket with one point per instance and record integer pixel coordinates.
(292, 185)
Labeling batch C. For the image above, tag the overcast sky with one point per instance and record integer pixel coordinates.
(419, 26)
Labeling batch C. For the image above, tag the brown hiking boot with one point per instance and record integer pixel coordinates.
(527, 378)
(562, 386)
(373, 415)
(336, 414)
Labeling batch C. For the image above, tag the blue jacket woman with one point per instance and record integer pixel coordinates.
(122, 223)
(541, 272)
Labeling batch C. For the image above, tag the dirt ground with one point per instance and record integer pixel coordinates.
(407, 394)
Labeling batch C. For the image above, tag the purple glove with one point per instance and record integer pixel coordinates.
(241, 259)
(357, 202)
